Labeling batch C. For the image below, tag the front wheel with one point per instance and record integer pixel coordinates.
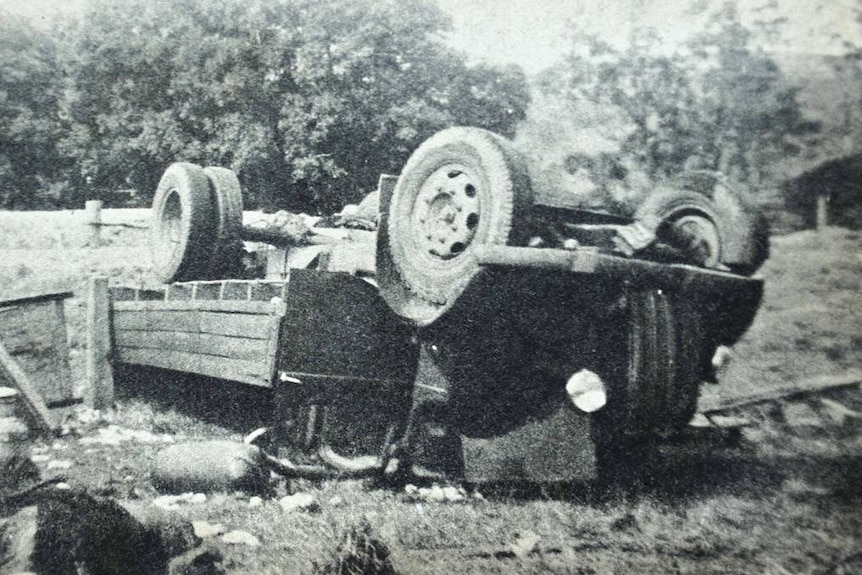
(461, 188)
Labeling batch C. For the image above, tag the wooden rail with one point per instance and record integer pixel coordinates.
(226, 329)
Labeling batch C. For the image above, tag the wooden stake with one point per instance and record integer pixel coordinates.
(99, 375)
(11, 371)
(94, 219)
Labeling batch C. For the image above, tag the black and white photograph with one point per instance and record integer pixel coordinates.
(430, 287)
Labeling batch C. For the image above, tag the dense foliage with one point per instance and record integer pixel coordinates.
(308, 100)
(716, 104)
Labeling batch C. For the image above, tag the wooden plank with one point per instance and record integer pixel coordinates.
(200, 343)
(244, 371)
(800, 388)
(100, 378)
(17, 378)
(36, 298)
(219, 306)
(273, 344)
(244, 325)
(34, 334)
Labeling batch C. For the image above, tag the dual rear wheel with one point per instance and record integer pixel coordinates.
(197, 218)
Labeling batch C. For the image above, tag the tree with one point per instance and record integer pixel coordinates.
(716, 104)
(31, 171)
(308, 100)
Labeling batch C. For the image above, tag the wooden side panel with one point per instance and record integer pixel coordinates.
(199, 343)
(34, 333)
(232, 340)
(244, 371)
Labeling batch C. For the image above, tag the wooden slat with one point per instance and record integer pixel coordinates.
(200, 343)
(220, 306)
(245, 371)
(15, 376)
(245, 325)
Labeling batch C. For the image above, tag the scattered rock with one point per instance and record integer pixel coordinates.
(200, 561)
(240, 538)
(436, 494)
(524, 544)
(59, 464)
(255, 501)
(299, 502)
(799, 414)
(115, 435)
(205, 529)
(453, 494)
(170, 502)
(40, 457)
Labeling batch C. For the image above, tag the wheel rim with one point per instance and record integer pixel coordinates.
(171, 226)
(446, 213)
(699, 239)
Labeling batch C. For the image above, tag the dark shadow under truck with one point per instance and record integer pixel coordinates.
(454, 339)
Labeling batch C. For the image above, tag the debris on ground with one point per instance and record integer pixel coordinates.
(360, 552)
(171, 502)
(299, 502)
(116, 435)
(205, 529)
(524, 544)
(199, 561)
(436, 494)
(208, 466)
(238, 537)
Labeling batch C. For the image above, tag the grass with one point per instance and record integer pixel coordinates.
(787, 501)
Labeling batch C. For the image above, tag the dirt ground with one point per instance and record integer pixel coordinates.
(779, 495)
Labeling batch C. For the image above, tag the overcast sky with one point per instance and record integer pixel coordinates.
(533, 33)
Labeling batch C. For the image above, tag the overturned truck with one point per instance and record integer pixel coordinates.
(474, 334)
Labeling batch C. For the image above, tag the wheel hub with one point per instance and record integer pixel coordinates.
(699, 239)
(446, 213)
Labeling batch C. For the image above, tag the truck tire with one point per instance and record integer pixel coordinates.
(640, 351)
(460, 188)
(183, 224)
(719, 230)
(227, 247)
(689, 368)
(689, 222)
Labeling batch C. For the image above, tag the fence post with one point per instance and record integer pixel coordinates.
(822, 212)
(100, 378)
(94, 220)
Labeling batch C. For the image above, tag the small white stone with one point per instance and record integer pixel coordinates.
(241, 538)
(59, 464)
(299, 502)
(255, 501)
(205, 529)
(453, 494)
(435, 494)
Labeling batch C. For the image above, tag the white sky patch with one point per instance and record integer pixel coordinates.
(535, 33)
